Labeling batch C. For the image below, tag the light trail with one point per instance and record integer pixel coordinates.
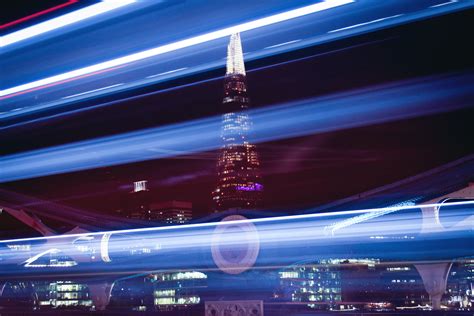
(382, 104)
(282, 44)
(95, 90)
(443, 4)
(299, 237)
(63, 20)
(62, 81)
(273, 19)
(365, 23)
(328, 215)
(167, 72)
(189, 71)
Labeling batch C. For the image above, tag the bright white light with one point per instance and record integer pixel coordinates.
(63, 20)
(443, 4)
(91, 91)
(104, 247)
(365, 23)
(29, 263)
(235, 57)
(140, 186)
(288, 15)
(365, 217)
(167, 72)
(236, 222)
(283, 44)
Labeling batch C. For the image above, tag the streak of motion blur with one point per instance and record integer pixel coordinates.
(309, 157)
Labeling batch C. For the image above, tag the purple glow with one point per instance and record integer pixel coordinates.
(252, 187)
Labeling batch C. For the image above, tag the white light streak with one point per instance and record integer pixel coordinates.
(362, 218)
(61, 21)
(282, 44)
(443, 4)
(104, 247)
(29, 262)
(167, 72)
(273, 19)
(258, 220)
(365, 23)
(91, 91)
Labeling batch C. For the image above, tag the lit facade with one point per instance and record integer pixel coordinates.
(460, 286)
(172, 212)
(401, 286)
(318, 285)
(139, 204)
(178, 290)
(63, 294)
(239, 184)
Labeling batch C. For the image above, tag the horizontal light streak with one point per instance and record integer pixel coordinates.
(290, 218)
(167, 72)
(298, 237)
(365, 23)
(63, 20)
(283, 44)
(382, 104)
(95, 90)
(63, 81)
(288, 15)
(443, 4)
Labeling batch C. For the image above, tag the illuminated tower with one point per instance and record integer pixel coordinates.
(239, 182)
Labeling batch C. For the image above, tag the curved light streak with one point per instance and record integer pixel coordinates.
(104, 247)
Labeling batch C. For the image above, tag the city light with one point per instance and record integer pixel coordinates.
(324, 179)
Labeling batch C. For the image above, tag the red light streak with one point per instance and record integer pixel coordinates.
(37, 14)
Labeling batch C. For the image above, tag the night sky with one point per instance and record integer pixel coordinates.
(297, 172)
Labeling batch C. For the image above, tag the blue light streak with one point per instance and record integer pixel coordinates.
(382, 104)
(385, 210)
(273, 19)
(280, 240)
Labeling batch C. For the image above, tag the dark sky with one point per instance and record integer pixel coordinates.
(297, 172)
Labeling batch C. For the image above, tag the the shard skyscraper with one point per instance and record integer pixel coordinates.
(239, 183)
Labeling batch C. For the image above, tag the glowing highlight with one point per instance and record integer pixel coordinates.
(292, 14)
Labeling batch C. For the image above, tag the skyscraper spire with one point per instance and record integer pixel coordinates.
(239, 184)
(235, 56)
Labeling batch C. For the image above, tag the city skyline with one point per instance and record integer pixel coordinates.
(254, 158)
